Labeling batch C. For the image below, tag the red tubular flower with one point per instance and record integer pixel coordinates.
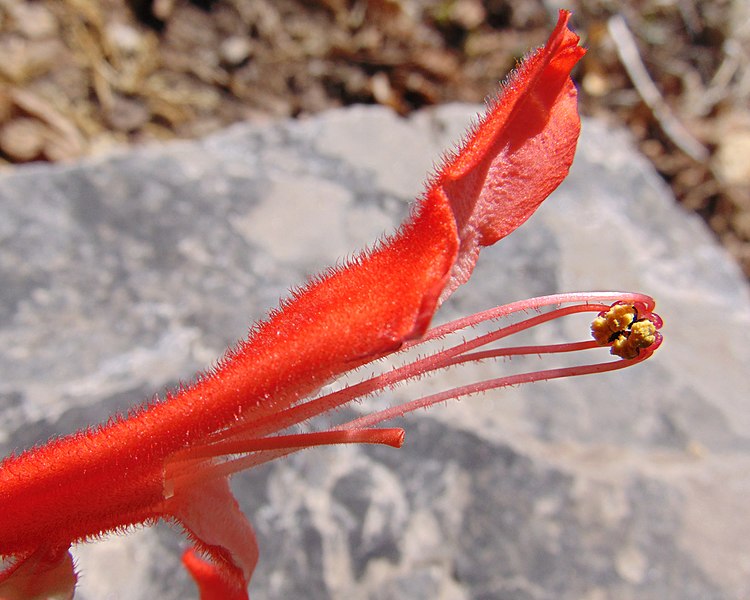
(171, 460)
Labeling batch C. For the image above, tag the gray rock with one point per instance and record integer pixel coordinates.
(121, 276)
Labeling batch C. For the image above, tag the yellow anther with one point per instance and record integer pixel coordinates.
(616, 319)
(620, 346)
(642, 334)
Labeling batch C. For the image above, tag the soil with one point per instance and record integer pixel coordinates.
(82, 76)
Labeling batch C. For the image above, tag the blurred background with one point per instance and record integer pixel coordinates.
(81, 77)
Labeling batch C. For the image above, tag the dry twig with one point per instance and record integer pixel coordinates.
(627, 51)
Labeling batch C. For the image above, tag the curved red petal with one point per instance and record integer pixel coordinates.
(517, 154)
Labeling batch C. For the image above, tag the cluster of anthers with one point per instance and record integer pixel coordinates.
(626, 329)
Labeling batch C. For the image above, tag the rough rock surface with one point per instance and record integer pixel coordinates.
(122, 276)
